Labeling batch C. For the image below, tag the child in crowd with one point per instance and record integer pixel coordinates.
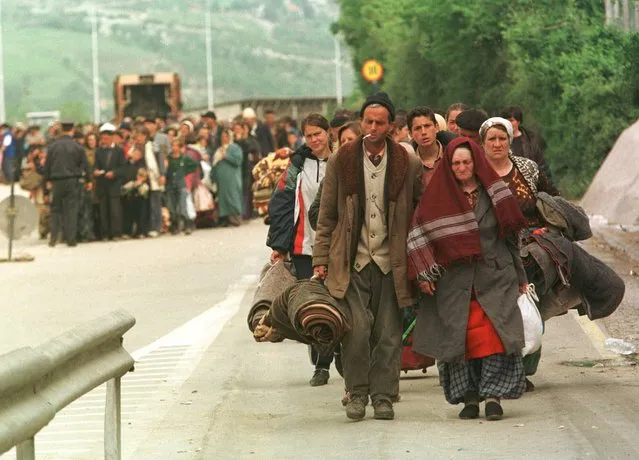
(179, 165)
(135, 194)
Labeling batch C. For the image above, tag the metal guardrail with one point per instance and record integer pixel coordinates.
(36, 383)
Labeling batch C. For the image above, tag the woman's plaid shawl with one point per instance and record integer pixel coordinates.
(444, 227)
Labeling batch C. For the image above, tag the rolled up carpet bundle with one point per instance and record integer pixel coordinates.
(323, 324)
(307, 313)
(274, 279)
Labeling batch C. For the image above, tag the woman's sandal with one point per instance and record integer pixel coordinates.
(470, 411)
(494, 411)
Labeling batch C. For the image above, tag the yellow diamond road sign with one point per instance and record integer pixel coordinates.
(372, 70)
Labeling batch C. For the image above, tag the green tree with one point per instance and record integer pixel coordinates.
(571, 73)
(576, 79)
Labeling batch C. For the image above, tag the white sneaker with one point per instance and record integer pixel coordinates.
(153, 234)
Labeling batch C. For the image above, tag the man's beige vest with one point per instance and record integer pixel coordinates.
(373, 241)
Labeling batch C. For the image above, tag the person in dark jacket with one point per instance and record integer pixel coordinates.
(135, 193)
(261, 132)
(89, 213)
(526, 143)
(215, 131)
(250, 155)
(108, 170)
(65, 165)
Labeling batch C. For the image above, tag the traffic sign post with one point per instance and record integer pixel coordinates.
(372, 72)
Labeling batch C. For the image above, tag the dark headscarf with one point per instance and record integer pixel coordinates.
(444, 227)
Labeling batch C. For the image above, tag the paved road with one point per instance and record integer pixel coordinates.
(624, 324)
(204, 390)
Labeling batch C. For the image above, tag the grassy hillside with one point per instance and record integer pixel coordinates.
(266, 49)
(47, 69)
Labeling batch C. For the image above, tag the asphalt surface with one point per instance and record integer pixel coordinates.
(203, 389)
(620, 250)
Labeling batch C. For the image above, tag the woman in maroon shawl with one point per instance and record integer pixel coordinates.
(463, 253)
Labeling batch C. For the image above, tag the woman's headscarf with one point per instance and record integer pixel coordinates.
(444, 227)
(221, 150)
(188, 124)
(494, 121)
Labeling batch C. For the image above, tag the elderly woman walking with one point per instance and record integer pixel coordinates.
(463, 252)
(227, 174)
(595, 287)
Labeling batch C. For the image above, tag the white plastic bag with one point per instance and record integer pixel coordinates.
(190, 207)
(203, 199)
(533, 325)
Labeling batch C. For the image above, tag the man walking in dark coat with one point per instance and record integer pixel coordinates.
(370, 191)
(65, 165)
(109, 162)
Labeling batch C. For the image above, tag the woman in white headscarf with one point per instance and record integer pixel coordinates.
(571, 265)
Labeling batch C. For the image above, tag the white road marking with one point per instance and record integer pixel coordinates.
(199, 333)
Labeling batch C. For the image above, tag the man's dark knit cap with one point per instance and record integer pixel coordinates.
(471, 119)
(383, 100)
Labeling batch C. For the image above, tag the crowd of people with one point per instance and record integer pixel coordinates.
(395, 210)
(412, 210)
(144, 176)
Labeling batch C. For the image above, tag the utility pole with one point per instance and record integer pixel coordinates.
(96, 69)
(209, 58)
(3, 114)
(338, 71)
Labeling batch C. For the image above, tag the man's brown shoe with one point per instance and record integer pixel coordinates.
(356, 407)
(383, 410)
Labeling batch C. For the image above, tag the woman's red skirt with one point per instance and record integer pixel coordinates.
(482, 338)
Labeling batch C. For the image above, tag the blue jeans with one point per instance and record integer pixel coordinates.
(176, 200)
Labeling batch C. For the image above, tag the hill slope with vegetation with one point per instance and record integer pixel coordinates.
(267, 48)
